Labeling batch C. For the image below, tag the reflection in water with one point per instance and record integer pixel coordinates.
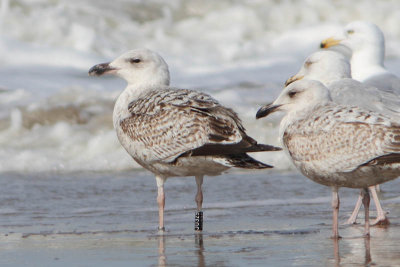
(367, 247)
(336, 251)
(198, 239)
(162, 259)
(199, 245)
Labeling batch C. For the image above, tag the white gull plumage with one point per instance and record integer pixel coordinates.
(175, 132)
(367, 44)
(333, 70)
(336, 145)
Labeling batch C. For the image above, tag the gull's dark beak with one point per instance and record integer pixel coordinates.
(266, 110)
(293, 79)
(101, 69)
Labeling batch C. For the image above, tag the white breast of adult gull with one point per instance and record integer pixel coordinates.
(175, 132)
(335, 145)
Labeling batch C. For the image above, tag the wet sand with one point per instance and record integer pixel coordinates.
(250, 219)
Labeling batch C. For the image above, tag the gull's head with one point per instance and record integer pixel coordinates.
(357, 36)
(298, 96)
(360, 34)
(137, 67)
(325, 66)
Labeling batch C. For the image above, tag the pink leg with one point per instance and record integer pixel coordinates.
(161, 202)
(198, 218)
(381, 218)
(366, 200)
(199, 195)
(378, 188)
(353, 217)
(335, 207)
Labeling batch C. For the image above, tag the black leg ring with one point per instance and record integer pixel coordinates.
(198, 221)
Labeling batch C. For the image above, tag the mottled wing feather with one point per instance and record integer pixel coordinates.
(339, 144)
(170, 122)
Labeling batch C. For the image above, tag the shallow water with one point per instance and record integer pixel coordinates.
(250, 218)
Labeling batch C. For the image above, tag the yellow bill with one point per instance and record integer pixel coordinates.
(293, 79)
(331, 41)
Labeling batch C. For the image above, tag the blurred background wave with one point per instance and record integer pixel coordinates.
(53, 117)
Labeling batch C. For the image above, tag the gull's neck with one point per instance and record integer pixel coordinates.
(131, 93)
(367, 62)
(332, 77)
(298, 115)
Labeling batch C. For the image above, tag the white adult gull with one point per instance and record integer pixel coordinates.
(336, 145)
(367, 44)
(175, 132)
(333, 70)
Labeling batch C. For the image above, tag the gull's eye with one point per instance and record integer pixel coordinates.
(135, 60)
(350, 31)
(308, 63)
(292, 94)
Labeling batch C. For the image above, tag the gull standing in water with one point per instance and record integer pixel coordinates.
(333, 70)
(336, 145)
(175, 132)
(367, 44)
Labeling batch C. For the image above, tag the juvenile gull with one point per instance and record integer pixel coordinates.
(175, 132)
(333, 70)
(367, 44)
(336, 145)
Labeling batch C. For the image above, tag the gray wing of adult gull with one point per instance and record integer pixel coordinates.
(386, 82)
(351, 92)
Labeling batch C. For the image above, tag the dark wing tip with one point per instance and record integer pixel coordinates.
(246, 162)
(264, 147)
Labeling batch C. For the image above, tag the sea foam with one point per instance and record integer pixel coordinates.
(53, 117)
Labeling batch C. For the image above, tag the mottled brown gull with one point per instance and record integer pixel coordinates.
(336, 145)
(175, 132)
(333, 70)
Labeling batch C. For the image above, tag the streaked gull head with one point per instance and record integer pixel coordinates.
(325, 66)
(298, 96)
(138, 67)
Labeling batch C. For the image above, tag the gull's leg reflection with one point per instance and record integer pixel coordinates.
(368, 259)
(198, 239)
(162, 259)
(336, 251)
(367, 244)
